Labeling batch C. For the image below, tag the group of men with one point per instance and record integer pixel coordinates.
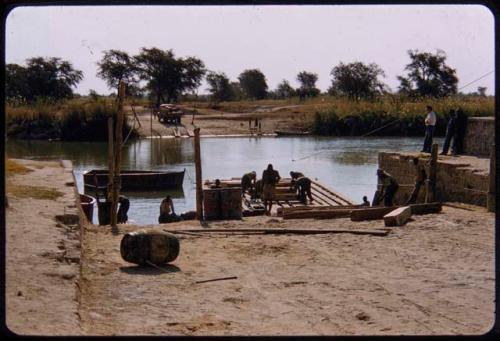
(455, 131)
(265, 187)
(389, 185)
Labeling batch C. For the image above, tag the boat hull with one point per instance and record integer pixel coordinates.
(136, 180)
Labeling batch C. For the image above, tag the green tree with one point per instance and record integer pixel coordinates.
(116, 66)
(253, 83)
(219, 86)
(307, 82)
(357, 80)
(168, 77)
(50, 78)
(284, 90)
(428, 75)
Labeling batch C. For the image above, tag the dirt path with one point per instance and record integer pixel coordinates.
(42, 252)
(433, 276)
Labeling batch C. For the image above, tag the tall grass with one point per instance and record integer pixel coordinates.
(77, 119)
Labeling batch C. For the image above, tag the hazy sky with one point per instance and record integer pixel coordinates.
(279, 40)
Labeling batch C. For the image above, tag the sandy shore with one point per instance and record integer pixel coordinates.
(213, 123)
(435, 275)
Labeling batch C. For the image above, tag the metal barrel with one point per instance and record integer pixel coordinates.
(155, 246)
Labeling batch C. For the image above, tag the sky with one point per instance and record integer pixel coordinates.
(281, 41)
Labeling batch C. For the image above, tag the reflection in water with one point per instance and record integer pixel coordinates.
(346, 164)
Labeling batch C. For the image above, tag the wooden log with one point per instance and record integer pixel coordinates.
(398, 217)
(309, 208)
(490, 203)
(111, 158)
(286, 231)
(197, 162)
(431, 181)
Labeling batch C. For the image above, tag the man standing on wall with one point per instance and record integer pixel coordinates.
(430, 122)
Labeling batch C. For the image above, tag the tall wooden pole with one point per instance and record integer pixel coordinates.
(431, 181)
(197, 164)
(111, 158)
(117, 157)
(492, 190)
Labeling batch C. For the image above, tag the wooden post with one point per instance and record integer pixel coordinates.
(197, 164)
(117, 157)
(430, 195)
(492, 190)
(111, 158)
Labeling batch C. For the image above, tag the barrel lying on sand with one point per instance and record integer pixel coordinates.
(153, 246)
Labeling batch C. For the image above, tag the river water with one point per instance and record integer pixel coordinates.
(347, 165)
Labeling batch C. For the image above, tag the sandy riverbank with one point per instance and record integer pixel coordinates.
(435, 275)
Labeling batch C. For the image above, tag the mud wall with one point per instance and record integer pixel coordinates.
(454, 182)
(479, 136)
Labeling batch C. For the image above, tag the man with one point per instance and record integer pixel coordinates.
(430, 123)
(248, 182)
(217, 184)
(257, 193)
(365, 201)
(294, 176)
(389, 187)
(167, 213)
(419, 180)
(460, 128)
(270, 178)
(450, 133)
(122, 216)
(303, 187)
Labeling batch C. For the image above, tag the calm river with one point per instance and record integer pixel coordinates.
(347, 165)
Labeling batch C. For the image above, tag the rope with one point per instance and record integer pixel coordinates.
(487, 74)
(380, 128)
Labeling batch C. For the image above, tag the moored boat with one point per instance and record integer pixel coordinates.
(133, 180)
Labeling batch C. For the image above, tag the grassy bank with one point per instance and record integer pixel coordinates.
(75, 120)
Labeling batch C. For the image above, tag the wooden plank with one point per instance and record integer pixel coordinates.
(332, 200)
(335, 194)
(306, 208)
(286, 231)
(371, 213)
(323, 198)
(379, 212)
(320, 214)
(398, 217)
(433, 207)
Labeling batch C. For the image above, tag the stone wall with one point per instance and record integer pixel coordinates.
(455, 181)
(479, 136)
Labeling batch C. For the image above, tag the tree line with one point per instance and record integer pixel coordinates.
(164, 78)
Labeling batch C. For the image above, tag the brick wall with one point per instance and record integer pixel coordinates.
(454, 182)
(479, 136)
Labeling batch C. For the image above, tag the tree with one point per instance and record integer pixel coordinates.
(357, 80)
(481, 91)
(219, 86)
(428, 75)
(116, 66)
(307, 82)
(284, 90)
(168, 77)
(50, 78)
(253, 83)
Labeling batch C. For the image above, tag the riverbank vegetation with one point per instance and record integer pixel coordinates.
(80, 119)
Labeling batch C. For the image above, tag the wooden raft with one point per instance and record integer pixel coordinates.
(287, 203)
